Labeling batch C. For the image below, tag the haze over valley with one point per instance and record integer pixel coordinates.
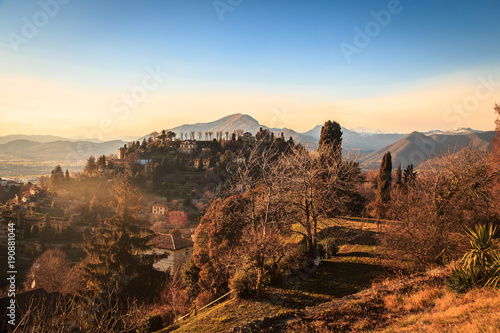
(29, 155)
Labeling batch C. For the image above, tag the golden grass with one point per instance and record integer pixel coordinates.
(435, 309)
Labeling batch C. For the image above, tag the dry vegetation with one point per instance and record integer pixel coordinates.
(437, 309)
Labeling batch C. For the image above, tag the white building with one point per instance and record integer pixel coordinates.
(188, 147)
(178, 250)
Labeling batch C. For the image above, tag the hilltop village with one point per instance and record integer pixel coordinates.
(177, 179)
(175, 225)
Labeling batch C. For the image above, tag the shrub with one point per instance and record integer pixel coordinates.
(480, 265)
(151, 323)
(243, 281)
(328, 247)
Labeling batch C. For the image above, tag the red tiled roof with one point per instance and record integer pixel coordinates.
(169, 242)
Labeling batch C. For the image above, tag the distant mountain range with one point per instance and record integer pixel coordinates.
(351, 139)
(37, 138)
(416, 148)
(413, 148)
(58, 151)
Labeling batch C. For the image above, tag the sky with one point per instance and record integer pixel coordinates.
(112, 69)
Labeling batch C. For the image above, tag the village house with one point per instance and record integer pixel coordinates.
(177, 218)
(248, 137)
(188, 147)
(160, 209)
(206, 163)
(177, 249)
(57, 225)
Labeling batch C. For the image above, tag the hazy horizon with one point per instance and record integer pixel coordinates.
(123, 69)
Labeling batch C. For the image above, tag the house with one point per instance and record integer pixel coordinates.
(57, 224)
(160, 209)
(177, 249)
(177, 218)
(188, 147)
(206, 163)
(247, 137)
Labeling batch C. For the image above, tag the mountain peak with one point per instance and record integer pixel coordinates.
(241, 117)
(457, 130)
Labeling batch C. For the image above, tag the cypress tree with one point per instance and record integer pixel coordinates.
(330, 142)
(398, 181)
(384, 179)
(409, 175)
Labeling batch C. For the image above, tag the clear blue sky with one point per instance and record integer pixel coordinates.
(264, 54)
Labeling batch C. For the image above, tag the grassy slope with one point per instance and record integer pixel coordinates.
(422, 308)
(416, 307)
(355, 268)
(440, 310)
(226, 315)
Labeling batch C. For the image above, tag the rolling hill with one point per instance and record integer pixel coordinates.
(37, 138)
(66, 151)
(416, 148)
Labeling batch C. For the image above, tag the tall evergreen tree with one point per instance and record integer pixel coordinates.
(56, 177)
(67, 177)
(58, 173)
(398, 181)
(330, 142)
(116, 270)
(384, 179)
(409, 175)
(101, 163)
(91, 165)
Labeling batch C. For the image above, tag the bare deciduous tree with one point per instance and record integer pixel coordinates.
(449, 194)
(52, 271)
